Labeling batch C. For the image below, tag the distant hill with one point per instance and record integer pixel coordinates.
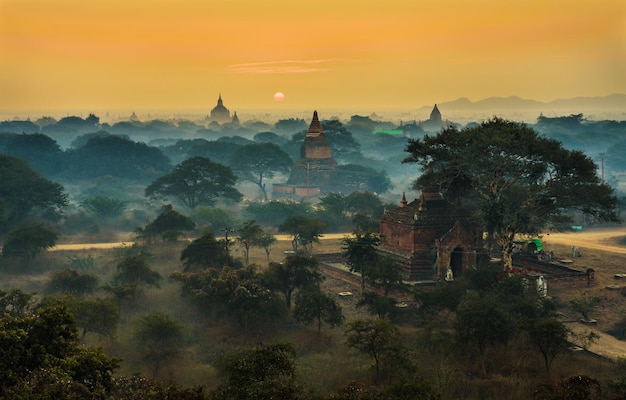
(514, 107)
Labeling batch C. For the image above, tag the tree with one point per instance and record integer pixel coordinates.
(264, 372)
(386, 272)
(133, 271)
(266, 240)
(196, 181)
(523, 182)
(584, 305)
(169, 224)
(159, 339)
(551, 338)
(312, 305)
(273, 213)
(116, 156)
(42, 347)
(72, 282)
(101, 316)
(303, 230)
(296, 272)
(29, 240)
(104, 207)
(349, 177)
(249, 234)
(15, 302)
(204, 252)
(253, 162)
(360, 253)
(483, 322)
(374, 337)
(25, 192)
(381, 306)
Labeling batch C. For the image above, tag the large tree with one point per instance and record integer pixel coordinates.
(298, 271)
(253, 162)
(521, 181)
(196, 181)
(25, 192)
(303, 230)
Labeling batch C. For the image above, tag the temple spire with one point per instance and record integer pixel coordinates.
(403, 202)
(315, 129)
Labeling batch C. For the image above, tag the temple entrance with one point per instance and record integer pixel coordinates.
(456, 261)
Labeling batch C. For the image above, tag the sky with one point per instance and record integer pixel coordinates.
(71, 55)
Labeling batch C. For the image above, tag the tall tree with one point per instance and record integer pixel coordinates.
(524, 182)
(296, 272)
(25, 192)
(317, 306)
(29, 240)
(374, 337)
(159, 339)
(303, 230)
(249, 235)
(196, 181)
(361, 254)
(254, 162)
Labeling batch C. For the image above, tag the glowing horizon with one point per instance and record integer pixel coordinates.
(167, 55)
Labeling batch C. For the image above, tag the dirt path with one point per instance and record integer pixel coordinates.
(604, 239)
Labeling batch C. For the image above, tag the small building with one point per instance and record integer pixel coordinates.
(428, 235)
(310, 175)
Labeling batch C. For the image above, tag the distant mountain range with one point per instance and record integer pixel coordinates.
(612, 106)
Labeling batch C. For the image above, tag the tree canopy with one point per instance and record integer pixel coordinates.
(253, 162)
(196, 181)
(521, 182)
(25, 192)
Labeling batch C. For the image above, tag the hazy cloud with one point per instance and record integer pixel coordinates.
(284, 67)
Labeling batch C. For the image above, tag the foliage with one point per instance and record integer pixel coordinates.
(81, 263)
(272, 213)
(298, 271)
(360, 253)
(118, 157)
(72, 282)
(24, 192)
(551, 338)
(29, 240)
(196, 181)
(313, 305)
(133, 272)
(266, 240)
(374, 337)
(237, 294)
(254, 162)
(44, 345)
(381, 306)
(584, 304)
(104, 207)
(355, 177)
(213, 219)
(204, 252)
(264, 372)
(483, 322)
(169, 225)
(249, 234)
(15, 302)
(579, 387)
(158, 338)
(386, 272)
(304, 230)
(97, 315)
(522, 181)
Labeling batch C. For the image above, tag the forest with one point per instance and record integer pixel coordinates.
(217, 291)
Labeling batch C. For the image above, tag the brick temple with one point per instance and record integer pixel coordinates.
(310, 175)
(428, 235)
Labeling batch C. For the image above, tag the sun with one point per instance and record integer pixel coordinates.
(279, 96)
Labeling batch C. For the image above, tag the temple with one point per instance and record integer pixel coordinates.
(428, 236)
(219, 113)
(435, 122)
(310, 175)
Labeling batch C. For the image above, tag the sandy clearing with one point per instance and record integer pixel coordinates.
(604, 239)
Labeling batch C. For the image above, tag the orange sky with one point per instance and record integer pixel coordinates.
(365, 55)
